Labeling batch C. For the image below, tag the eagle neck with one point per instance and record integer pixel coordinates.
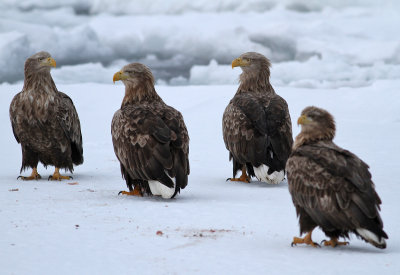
(255, 82)
(306, 138)
(135, 94)
(39, 82)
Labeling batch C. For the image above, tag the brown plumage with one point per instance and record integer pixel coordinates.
(44, 120)
(149, 137)
(256, 124)
(331, 187)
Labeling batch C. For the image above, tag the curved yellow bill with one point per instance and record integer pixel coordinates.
(49, 62)
(303, 120)
(239, 62)
(119, 76)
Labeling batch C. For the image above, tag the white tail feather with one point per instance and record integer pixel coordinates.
(371, 237)
(261, 173)
(159, 189)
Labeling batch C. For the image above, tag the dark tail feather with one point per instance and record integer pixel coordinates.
(181, 181)
(236, 166)
(77, 154)
(250, 170)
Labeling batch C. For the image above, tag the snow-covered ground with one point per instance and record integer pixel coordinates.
(213, 226)
(342, 55)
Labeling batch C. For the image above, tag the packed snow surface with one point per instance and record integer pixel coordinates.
(312, 43)
(342, 55)
(82, 226)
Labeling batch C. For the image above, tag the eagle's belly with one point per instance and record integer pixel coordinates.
(37, 127)
(47, 141)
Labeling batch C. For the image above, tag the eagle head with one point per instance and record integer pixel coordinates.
(134, 73)
(317, 123)
(41, 61)
(252, 62)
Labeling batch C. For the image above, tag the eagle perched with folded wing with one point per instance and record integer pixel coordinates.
(44, 121)
(149, 137)
(256, 124)
(331, 187)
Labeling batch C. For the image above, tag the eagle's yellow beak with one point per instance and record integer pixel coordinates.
(49, 62)
(119, 76)
(240, 62)
(303, 120)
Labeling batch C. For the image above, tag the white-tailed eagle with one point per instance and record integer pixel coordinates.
(45, 122)
(330, 186)
(256, 124)
(150, 138)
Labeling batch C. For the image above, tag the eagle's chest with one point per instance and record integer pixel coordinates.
(35, 116)
(37, 107)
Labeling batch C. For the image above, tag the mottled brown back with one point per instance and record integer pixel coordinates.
(151, 142)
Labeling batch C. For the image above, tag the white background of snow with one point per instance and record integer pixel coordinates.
(313, 43)
(254, 223)
(348, 50)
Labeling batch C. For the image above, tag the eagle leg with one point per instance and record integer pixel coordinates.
(136, 192)
(34, 176)
(333, 242)
(57, 176)
(244, 177)
(307, 240)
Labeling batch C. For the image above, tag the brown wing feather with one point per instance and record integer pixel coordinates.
(333, 187)
(279, 126)
(69, 122)
(179, 143)
(13, 115)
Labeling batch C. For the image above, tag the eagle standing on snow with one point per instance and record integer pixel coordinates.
(45, 122)
(149, 137)
(331, 187)
(256, 124)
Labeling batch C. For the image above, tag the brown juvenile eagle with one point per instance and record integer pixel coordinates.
(256, 124)
(149, 137)
(44, 121)
(331, 187)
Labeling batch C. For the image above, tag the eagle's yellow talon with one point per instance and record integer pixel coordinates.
(57, 176)
(136, 192)
(34, 175)
(334, 242)
(244, 177)
(306, 240)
